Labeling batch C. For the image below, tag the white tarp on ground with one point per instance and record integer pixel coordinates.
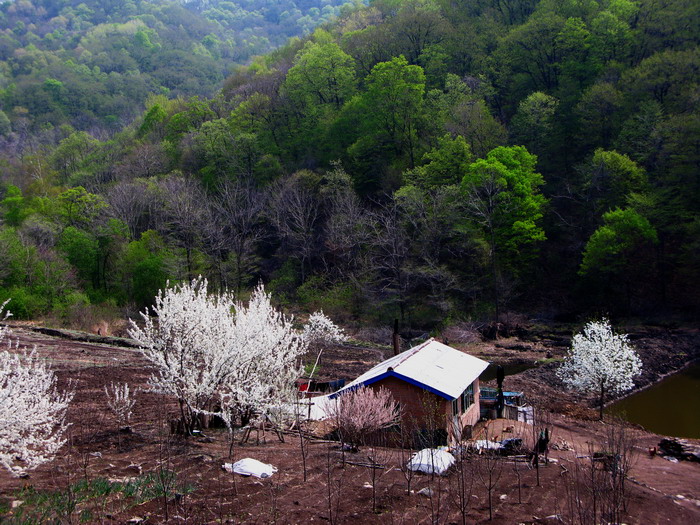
(431, 460)
(250, 467)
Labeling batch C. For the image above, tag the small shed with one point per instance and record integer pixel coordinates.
(437, 387)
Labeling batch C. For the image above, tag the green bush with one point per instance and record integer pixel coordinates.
(337, 300)
(24, 303)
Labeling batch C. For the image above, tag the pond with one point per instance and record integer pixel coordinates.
(509, 370)
(669, 407)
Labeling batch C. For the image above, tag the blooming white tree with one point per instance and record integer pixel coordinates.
(263, 385)
(600, 362)
(320, 329)
(32, 411)
(217, 356)
(188, 341)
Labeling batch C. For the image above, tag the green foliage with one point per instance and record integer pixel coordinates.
(146, 267)
(571, 109)
(25, 302)
(611, 248)
(390, 112)
(444, 165)
(503, 193)
(153, 121)
(81, 64)
(338, 300)
(612, 177)
(78, 207)
(5, 124)
(14, 206)
(89, 500)
(81, 250)
(322, 74)
(534, 121)
(285, 281)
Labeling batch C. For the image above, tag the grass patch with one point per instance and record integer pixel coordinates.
(88, 501)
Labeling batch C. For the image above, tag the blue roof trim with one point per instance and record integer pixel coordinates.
(392, 373)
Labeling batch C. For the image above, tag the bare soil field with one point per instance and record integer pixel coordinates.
(147, 475)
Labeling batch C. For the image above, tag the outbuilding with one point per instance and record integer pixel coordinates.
(437, 387)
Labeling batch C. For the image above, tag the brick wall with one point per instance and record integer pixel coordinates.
(419, 407)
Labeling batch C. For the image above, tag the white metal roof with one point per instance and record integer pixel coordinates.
(432, 365)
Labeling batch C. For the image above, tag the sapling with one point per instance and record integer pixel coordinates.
(120, 401)
(360, 412)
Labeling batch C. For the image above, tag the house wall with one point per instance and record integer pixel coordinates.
(469, 418)
(418, 406)
(423, 409)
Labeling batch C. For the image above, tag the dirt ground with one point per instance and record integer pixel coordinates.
(141, 465)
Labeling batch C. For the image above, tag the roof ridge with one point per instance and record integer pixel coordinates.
(413, 351)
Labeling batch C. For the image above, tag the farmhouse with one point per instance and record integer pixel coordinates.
(437, 387)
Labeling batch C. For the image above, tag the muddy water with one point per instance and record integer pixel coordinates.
(670, 407)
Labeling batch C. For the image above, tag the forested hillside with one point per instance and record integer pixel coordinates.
(421, 159)
(93, 64)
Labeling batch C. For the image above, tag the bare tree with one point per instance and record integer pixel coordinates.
(462, 482)
(133, 203)
(187, 216)
(239, 208)
(346, 228)
(295, 212)
(390, 257)
(145, 160)
(482, 201)
(595, 484)
(489, 468)
(407, 434)
(541, 436)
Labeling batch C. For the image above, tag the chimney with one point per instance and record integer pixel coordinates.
(395, 338)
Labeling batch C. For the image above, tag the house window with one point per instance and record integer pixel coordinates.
(468, 397)
(455, 406)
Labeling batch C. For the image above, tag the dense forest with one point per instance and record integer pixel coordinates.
(421, 159)
(93, 64)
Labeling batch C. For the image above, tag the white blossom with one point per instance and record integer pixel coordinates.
(120, 401)
(220, 357)
(189, 345)
(600, 361)
(264, 384)
(32, 411)
(320, 329)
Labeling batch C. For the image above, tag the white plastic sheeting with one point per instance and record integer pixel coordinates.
(431, 461)
(316, 408)
(250, 467)
(485, 444)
